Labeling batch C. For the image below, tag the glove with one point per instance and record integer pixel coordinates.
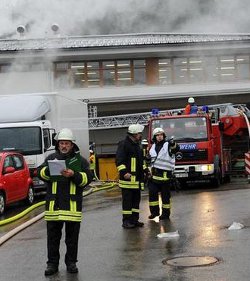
(171, 141)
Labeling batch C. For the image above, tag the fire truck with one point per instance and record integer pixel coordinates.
(209, 141)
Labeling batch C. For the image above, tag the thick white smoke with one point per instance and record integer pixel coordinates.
(93, 17)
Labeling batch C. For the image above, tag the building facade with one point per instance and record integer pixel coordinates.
(128, 74)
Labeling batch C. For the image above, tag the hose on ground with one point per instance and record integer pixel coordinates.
(21, 227)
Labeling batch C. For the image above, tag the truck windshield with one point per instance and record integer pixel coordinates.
(27, 140)
(183, 129)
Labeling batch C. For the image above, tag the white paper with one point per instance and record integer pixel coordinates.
(56, 167)
(174, 234)
(235, 226)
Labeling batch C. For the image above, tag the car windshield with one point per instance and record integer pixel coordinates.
(27, 140)
(183, 129)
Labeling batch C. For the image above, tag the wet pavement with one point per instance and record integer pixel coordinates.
(107, 252)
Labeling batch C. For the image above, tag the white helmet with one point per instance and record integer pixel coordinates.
(65, 134)
(191, 100)
(157, 131)
(144, 142)
(135, 129)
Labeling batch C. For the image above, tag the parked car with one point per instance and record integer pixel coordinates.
(15, 181)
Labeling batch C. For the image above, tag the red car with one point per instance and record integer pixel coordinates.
(15, 181)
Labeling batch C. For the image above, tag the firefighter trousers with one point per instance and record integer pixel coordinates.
(54, 235)
(154, 188)
(130, 204)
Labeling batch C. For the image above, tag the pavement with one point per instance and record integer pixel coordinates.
(107, 252)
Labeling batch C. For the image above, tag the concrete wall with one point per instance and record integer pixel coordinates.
(25, 82)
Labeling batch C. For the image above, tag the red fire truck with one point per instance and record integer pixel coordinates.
(209, 142)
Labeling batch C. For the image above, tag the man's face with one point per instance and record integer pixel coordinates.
(138, 137)
(65, 146)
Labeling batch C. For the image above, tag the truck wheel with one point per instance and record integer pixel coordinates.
(2, 203)
(183, 184)
(30, 196)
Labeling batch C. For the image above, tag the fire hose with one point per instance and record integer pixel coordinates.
(8, 235)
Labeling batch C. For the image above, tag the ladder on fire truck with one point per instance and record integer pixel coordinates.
(122, 121)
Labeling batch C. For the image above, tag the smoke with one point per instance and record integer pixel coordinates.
(95, 17)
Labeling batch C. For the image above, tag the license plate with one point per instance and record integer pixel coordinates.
(181, 175)
(38, 182)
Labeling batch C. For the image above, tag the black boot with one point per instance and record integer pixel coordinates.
(163, 217)
(51, 270)
(72, 268)
(138, 224)
(127, 224)
(152, 216)
(165, 214)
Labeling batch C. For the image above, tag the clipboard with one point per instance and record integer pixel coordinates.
(56, 167)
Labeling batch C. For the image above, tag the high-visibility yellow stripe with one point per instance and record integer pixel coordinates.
(72, 192)
(124, 212)
(54, 187)
(153, 203)
(128, 184)
(164, 178)
(166, 206)
(51, 205)
(63, 215)
(132, 178)
(121, 167)
(135, 210)
(84, 179)
(133, 164)
(43, 175)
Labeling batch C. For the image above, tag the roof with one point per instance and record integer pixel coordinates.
(20, 108)
(116, 40)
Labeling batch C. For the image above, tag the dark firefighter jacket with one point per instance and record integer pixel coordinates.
(64, 195)
(129, 159)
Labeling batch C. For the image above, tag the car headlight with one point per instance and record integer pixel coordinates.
(205, 168)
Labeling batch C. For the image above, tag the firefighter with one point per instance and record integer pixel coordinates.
(92, 161)
(162, 155)
(64, 201)
(129, 162)
(191, 107)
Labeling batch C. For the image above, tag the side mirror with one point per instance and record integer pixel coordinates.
(53, 139)
(9, 170)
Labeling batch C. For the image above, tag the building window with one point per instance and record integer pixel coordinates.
(62, 75)
(139, 72)
(92, 72)
(242, 63)
(124, 74)
(226, 68)
(149, 71)
(165, 71)
(211, 69)
(196, 70)
(181, 71)
(109, 73)
(77, 72)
